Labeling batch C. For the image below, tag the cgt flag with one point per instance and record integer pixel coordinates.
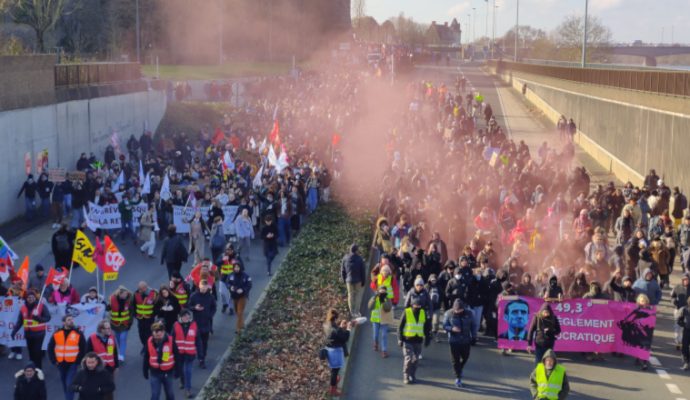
(55, 277)
(113, 260)
(23, 272)
(83, 252)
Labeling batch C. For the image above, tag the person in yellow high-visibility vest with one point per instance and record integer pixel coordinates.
(549, 380)
(414, 329)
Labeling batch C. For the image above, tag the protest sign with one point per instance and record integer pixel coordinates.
(108, 216)
(181, 215)
(57, 175)
(76, 176)
(86, 318)
(586, 325)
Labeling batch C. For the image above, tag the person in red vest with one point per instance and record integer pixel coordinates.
(33, 317)
(65, 350)
(104, 345)
(121, 315)
(160, 355)
(144, 299)
(179, 289)
(185, 334)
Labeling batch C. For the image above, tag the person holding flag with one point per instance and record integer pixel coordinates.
(65, 294)
(33, 316)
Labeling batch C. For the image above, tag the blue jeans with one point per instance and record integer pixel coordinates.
(383, 330)
(164, 382)
(67, 373)
(121, 339)
(30, 206)
(45, 207)
(477, 314)
(270, 255)
(127, 230)
(283, 231)
(539, 353)
(77, 218)
(187, 367)
(312, 199)
(67, 204)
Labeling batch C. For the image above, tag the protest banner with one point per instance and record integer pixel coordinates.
(83, 252)
(587, 325)
(57, 175)
(108, 216)
(181, 215)
(76, 176)
(86, 318)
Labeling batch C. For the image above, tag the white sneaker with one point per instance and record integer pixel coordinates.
(19, 356)
(121, 357)
(11, 355)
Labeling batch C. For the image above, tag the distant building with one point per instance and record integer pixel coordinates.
(445, 35)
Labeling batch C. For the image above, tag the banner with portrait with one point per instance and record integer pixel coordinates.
(587, 325)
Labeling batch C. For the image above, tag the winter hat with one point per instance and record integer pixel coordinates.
(419, 281)
(432, 278)
(685, 276)
(39, 267)
(30, 365)
(93, 289)
(382, 290)
(458, 305)
(627, 278)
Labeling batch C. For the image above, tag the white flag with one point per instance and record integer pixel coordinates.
(141, 171)
(165, 187)
(252, 143)
(228, 161)
(272, 159)
(282, 162)
(256, 183)
(119, 181)
(91, 224)
(262, 147)
(146, 188)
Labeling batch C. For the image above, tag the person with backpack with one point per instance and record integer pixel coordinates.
(217, 240)
(381, 319)
(174, 252)
(239, 284)
(62, 245)
(245, 233)
(436, 304)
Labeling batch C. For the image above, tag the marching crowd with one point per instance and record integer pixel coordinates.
(229, 167)
(468, 216)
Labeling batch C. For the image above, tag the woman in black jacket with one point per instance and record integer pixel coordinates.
(337, 335)
(93, 382)
(166, 308)
(543, 331)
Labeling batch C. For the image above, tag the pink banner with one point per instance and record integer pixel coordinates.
(587, 325)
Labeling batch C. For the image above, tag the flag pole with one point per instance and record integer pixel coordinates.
(71, 267)
(42, 292)
(98, 283)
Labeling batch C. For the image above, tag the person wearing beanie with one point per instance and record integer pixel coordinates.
(622, 287)
(38, 279)
(179, 288)
(459, 323)
(458, 285)
(549, 379)
(185, 333)
(435, 304)
(381, 319)
(352, 272)
(29, 384)
(413, 331)
(34, 318)
(419, 292)
(679, 296)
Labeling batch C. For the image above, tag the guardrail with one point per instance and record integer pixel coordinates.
(674, 83)
(95, 74)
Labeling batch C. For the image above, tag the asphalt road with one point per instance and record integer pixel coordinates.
(488, 374)
(129, 380)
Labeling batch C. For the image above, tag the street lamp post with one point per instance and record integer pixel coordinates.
(474, 24)
(486, 24)
(493, 31)
(220, 32)
(138, 33)
(517, 20)
(584, 37)
(469, 25)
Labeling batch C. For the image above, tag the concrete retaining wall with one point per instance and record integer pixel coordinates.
(626, 138)
(66, 130)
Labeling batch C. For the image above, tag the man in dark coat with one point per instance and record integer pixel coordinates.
(174, 252)
(203, 305)
(352, 271)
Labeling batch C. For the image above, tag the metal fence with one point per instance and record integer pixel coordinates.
(675, 83)
(93, 74)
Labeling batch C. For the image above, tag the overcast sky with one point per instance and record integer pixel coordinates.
(628, 20)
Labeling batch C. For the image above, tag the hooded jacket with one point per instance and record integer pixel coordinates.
(34, 389)
(620, 292)
(92, 384)
(595, 292)
(565, 388)
(543, 331)
(649, 287)
(579, 287)
(464, 321)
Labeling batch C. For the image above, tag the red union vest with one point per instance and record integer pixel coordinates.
(186, 344)
(181, 294)
(144, 305)
(106, 351)
(167, 356)
(30, 324)
(120, 317)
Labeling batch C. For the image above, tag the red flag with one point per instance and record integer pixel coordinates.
(97, 256)
(218, 136)
(113, 260)
(23, 272)
(274, 137)
(335, 140)
(56, 277)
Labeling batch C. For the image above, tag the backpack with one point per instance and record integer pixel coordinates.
(62, 243)
(435, 296)
(218, 239)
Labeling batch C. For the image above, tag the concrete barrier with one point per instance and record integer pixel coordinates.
(626, 138)
(67, 129)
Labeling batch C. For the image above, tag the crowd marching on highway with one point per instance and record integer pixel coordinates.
(469, 218)
(270, 185)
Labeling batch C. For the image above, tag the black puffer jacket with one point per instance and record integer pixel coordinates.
(35, 389)
(543, 331)
(92, 384)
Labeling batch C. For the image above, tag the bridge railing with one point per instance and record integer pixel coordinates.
(673, 83)
(93, 74)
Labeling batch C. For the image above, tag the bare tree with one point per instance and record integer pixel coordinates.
(359, 11)
(40, 15)
(568, 37)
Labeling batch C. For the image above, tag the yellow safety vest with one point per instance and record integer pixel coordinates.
(414, 328)
(376, 312)
(549, 388)
(387, 284)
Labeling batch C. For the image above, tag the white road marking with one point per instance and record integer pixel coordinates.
(663, 374)
(673, 388)
(680, 398)
(654, 361)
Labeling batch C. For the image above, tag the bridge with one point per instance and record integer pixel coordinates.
(649, 53)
